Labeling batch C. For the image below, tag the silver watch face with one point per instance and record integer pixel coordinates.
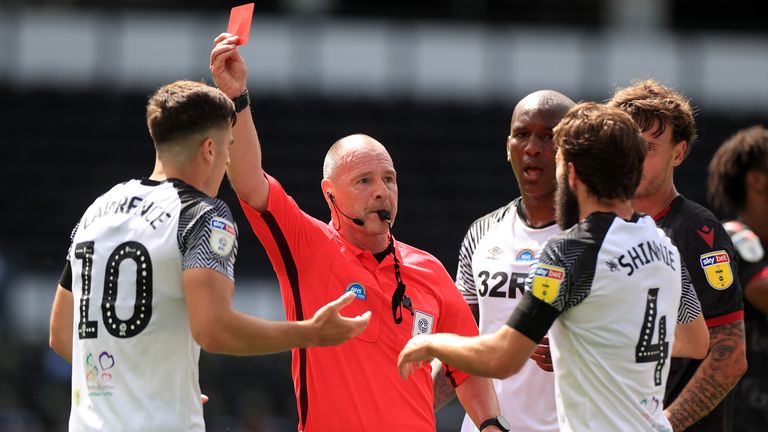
(504, 423)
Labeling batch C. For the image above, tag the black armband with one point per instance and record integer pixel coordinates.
(533, 317)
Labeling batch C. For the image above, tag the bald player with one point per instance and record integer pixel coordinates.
(499, 248)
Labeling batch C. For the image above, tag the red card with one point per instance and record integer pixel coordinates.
(240, 22)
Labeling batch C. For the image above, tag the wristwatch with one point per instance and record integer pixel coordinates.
(498, 421)
(242, 101)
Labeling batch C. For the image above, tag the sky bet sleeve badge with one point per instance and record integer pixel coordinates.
(222, 236)
(546, 282)
(717, 268)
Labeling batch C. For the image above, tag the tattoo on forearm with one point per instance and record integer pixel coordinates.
(444, 391)
(717, 374)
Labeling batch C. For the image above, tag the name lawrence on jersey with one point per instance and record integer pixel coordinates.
(153, 213)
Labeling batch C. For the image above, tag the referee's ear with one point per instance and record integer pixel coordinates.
(327, 187)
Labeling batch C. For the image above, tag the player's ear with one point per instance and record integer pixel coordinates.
(573, 177)
(678, 153)
(207, 149)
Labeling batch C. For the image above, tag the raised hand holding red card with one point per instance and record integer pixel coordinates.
(240, 22)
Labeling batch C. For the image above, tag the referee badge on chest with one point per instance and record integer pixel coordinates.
(422, 323)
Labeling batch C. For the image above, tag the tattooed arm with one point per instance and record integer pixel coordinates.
(717, 374)
(444, 391)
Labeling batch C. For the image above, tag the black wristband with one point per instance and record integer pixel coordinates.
(242, 101)
(498, 421)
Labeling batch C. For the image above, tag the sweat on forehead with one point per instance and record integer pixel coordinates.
(347, 149)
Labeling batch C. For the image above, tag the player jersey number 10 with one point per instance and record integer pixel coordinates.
(142, 307)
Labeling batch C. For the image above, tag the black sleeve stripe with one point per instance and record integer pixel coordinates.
(533, 317)
(66, 277)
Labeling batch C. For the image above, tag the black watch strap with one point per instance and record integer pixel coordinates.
(498, 421)
(242, 101)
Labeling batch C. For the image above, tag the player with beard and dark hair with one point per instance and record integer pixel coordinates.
(698, 392)
(497, 253)
(611, 291)
(738, 180)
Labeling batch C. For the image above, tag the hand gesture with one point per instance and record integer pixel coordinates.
(414, 355)
(227, 66)
(331, 328)
(542, 356)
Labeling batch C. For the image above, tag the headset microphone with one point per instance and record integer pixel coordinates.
(356, 221)
(384, 215)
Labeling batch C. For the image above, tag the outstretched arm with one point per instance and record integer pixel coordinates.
(497, 355)
(217, 327)
(245, 171)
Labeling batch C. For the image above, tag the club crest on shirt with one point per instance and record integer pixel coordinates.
(546, 282)
(717, 268)
(357, 289)
(223, 236)
(525, 255)
(422, 323)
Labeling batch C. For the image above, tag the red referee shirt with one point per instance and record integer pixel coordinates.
(356, 386)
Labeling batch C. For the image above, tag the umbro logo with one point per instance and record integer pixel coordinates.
(494, 252)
